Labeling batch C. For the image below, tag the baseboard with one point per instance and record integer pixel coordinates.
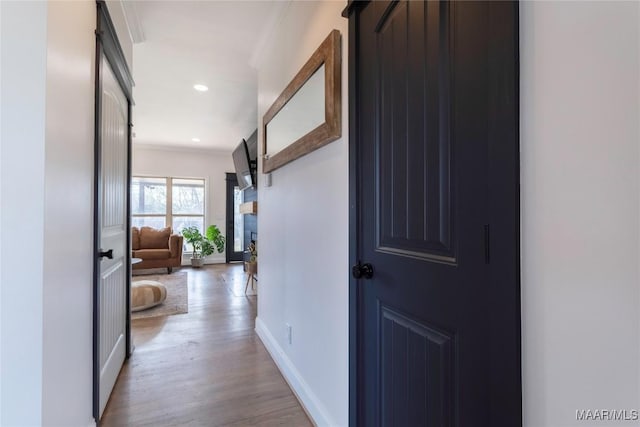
(186, 262)
(298, 385)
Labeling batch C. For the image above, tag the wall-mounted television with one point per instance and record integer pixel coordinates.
(242, 163)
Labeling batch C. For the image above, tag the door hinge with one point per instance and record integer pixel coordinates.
(487, 247)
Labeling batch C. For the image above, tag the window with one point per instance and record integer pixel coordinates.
(163, 202)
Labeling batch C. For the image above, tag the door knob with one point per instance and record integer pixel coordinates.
(362, 270)
(108, 254)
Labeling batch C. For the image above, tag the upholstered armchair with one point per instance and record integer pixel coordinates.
(156, 248)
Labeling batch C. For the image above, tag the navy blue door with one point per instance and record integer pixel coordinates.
(235, 235)
(435, 303)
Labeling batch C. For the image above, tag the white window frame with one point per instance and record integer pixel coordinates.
(168, 215)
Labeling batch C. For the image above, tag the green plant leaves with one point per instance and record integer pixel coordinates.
(204, 245)
(214, 235)
(207, 248)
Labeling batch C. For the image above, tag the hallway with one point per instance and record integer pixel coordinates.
(203, 368)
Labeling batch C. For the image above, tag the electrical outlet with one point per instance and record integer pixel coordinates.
(288, 333)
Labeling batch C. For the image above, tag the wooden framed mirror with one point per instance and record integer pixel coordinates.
(308, 113)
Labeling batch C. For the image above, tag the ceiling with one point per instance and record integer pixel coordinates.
(183, 43)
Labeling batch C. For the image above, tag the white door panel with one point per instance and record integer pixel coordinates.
(113, 233)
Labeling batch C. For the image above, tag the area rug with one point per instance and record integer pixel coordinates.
(177, 301)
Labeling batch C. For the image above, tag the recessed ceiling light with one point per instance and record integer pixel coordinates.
(195, 139)
(200, 88)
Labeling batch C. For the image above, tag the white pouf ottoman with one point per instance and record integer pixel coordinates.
(146, 294)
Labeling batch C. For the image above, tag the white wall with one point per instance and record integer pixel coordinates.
(68, 214)
(23, 46)
(580, 209)
(303, 232)
(185, 163)
(46, 194)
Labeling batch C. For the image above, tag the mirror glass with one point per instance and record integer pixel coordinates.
(300, 115)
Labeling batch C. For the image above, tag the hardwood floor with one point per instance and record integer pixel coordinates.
(204, 368)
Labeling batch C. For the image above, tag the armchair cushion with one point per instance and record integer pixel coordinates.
(150, 238)
(152, 254)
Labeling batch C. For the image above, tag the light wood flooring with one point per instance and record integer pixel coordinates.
(204, 368)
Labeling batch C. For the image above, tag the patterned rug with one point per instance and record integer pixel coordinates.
(177, 301)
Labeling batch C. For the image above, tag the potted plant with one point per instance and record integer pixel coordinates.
(203, 245)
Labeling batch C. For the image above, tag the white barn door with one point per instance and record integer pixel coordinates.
(112, 268)
(113, 233)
